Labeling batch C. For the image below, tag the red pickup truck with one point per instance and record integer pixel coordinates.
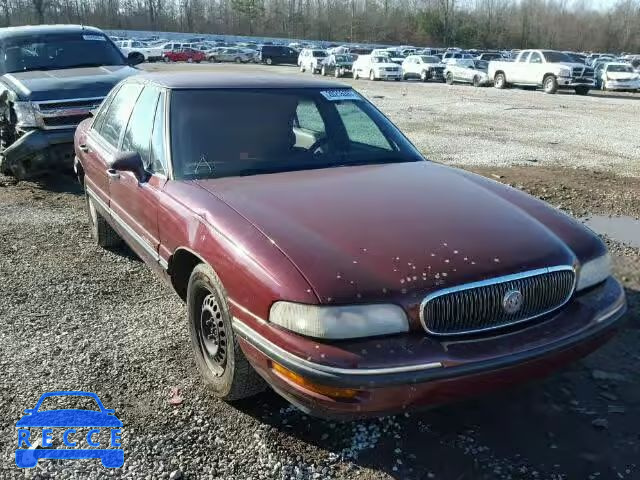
(184, 55)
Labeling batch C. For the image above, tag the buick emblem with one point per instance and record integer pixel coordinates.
(512, 301)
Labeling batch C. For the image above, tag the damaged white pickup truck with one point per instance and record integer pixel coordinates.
(51, 78)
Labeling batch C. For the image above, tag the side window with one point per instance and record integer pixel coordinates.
(309, 117)
(137, 136)
(524, 57)
(535, 58)
(117, 115)
(158, 158)
(99, 118)
(359, 126)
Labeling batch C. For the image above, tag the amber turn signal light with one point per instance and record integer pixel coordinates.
(332, 392)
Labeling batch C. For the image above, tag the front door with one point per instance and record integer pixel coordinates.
(134, 200)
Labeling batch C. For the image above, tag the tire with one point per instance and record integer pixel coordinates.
(550, 84)
(189, 60)
(323, 72)
(221, 362)
(449, 78)
(355, 75)
(500, 81)
(424, 75)
(336, 73)
(581, 90)
(238, 60)
(166, 59)
(269, 61)
(103, 234)
(476, 81)
(372, 76)
(7, 137)
(301, 68)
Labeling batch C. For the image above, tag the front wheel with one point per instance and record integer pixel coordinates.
(449, 78)
(238, 60)
(355, 75)
(550, 85)
(424, 75)
(476, 81)
(581, 90)
(372, 75)
(166, 59)
(221, 362)
(269, 61)
(323, 72)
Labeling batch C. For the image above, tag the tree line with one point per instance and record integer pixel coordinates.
(557, 24)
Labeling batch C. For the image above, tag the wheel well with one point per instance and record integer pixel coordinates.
(547, 75)
(181, 265)
(499, 72)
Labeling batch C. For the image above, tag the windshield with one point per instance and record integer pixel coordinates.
(482, 65)
(57, 51)
(620, 68)
(343, 58)
(556, 57)
(426, 59)
(233, 132)
(319, 54)
(380, 59)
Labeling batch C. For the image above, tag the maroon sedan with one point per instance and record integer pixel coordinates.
(319, 253)
(184, 55)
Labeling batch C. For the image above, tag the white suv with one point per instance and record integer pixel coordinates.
(424, 67)
(311, 59)
(376, 67)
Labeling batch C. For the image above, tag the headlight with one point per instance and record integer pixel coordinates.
(339, 322)
(593, 272)
(564, 73)
(25, 114)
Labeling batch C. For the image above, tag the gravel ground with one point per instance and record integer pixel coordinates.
(74, 316)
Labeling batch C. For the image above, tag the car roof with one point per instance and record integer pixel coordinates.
(208, 80)
(28, 30)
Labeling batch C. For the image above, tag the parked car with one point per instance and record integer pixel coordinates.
(277, 54)
(424, 67)
(376, 68)
(311, 59)
(252, 223)
(229, 54)
(549, 69)
(619, 76)
(338, 65)
(467, 71)
(40, 111)
(488, 56)
(455, 55)
(171, 46)
(184, 55)
(132, 48)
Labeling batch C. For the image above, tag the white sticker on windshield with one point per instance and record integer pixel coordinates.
(341, 94)
(94, 37)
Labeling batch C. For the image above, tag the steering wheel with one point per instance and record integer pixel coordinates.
(316, 148)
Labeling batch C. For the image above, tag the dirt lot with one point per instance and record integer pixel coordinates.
(74, 316)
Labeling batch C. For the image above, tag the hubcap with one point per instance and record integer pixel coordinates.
(212, 335)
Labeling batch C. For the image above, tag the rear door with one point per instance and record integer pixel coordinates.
(134, 202)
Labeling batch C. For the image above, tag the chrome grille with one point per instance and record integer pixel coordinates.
(478, 306)
(58, 114)
(580, 72)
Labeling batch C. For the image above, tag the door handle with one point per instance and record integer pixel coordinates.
(113, 174)
(83, 147)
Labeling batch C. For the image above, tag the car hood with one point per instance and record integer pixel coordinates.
(622, 75)
(85, 82)
(69, 418)
(384, 64)
(408, 228)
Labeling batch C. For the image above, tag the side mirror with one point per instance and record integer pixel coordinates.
(130, 162)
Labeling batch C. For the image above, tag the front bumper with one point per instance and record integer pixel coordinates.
(571, 82)
(40, 151)
(619, 85)
(388, 75)
(449, 370)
